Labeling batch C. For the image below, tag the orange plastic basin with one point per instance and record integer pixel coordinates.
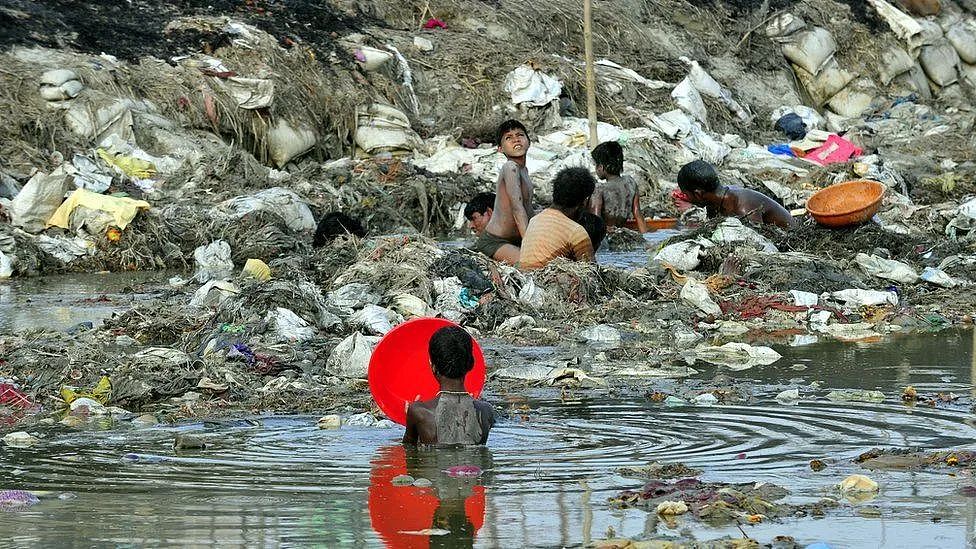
(653, 224)
(845, 204)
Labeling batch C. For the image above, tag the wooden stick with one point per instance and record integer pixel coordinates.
(590, 71)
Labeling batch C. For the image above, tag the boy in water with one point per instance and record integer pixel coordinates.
(503, 235)
(595, 227)
(453, 416)
(699, 181)
(555, 231)
(478, 211)
(616, 200)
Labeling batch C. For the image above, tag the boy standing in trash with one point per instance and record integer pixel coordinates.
(453, 416)
(698, 180)
(503, 235)
(616, 200)
(555, 231)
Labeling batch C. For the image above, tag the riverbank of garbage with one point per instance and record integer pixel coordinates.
(213, 144)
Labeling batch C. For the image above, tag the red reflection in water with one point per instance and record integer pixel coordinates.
(394, 510)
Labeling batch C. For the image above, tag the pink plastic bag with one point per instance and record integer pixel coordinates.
(835, 149)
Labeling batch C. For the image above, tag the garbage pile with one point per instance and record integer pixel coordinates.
(214, 144)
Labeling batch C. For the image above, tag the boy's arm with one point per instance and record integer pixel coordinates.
(410, 435)
(513, 186)
(596, 203)
(638, 216)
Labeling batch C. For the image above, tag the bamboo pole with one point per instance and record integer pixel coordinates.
(590, 71)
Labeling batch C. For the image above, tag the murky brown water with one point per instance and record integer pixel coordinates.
(548, 469)
(62, 301)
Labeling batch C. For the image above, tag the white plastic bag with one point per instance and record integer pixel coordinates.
(686, 96)
(706, 85)
(886, 268)
(6, 266)
(213, 293)
(250, 93)
(732, 231)
(277, 200)
(377, 320)
(860, 298)
(531, 87)
(737, 356)
(683, 256)
(938, 278)
(350, 358)
(289, 326)
(213, 262)
(39, 199)
(696, 294)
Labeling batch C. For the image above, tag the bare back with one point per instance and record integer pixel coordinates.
(758, 208)
(449, 419)
(616, 199)
(513, 202)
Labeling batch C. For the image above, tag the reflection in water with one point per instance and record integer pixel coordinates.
(449, 513)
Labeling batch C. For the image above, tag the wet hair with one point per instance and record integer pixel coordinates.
(610, 155)
(506, 127)
(698, 176)
(595, 227)
(336, 224)
(479, 204)
(571, 187)
(451, 352)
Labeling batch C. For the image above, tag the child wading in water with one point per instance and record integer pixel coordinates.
(616, 199)
(453, 416)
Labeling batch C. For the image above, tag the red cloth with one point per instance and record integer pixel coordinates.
(835, 149)
(433, 23)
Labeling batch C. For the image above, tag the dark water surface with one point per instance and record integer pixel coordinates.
(548, 471)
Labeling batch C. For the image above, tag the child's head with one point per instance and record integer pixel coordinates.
(336, 224)
(451, 352)
(609, 159)
(512, 139)
(478, 211)
(571, 188)
(697, 178)
(595, 227)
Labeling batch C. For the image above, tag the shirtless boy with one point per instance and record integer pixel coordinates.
(502, 236)
(699, 181)
(616, 200)
(453, 416)
(478, 211)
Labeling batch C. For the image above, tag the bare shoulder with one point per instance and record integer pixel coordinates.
(419, 410)
(484, 409)
(510, 166)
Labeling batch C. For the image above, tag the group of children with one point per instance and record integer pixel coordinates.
(573, 227)
(509, 230)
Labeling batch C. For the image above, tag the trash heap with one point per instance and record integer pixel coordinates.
(213, 144)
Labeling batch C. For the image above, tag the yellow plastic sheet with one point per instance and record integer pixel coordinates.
(131, 166)
(257, 269)
(123, 210)
(100, 393)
